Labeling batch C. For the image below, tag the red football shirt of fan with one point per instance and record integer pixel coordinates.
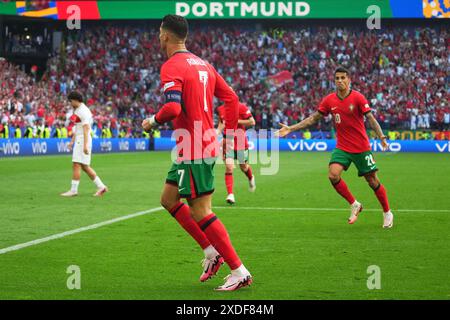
(240, 140)
(197, 82)
(348, 117)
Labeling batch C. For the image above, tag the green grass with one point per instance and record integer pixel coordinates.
(292, 254)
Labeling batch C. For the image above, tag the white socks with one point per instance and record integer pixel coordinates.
(98, 183)
(240, 272)
(74, 187)
(210, 252)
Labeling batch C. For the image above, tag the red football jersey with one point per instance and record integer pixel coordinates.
(348, 117)
(240, 140)
(197, 82)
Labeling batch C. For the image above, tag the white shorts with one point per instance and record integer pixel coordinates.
(78, 155)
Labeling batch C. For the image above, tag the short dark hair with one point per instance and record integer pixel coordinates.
(342, 69)
(75, 95)
(176, 24)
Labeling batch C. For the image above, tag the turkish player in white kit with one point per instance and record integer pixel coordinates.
(82, 147)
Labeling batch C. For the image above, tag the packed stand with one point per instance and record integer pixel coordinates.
(404, 72)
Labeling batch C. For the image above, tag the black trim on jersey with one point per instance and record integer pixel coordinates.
(180, 51)
(365, 174)
(189, 196)
(345, 168)
(367, 112)
(171, 182)
(349, 93)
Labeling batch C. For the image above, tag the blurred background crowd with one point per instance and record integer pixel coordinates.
(281, 74)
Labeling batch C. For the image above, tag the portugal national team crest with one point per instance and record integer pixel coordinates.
(351, 108)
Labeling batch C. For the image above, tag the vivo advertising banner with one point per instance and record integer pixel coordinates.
(328, 145)
(34, 147)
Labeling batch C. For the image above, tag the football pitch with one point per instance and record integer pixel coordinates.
(292, 233)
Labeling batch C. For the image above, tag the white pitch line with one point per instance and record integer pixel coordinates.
(327, 209)
(70, 232)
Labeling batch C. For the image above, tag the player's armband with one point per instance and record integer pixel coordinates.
(173, 96)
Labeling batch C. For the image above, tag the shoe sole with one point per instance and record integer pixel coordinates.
(230, 202)
(245, 283)
(356, 216)
(101, 193)
(389, 226)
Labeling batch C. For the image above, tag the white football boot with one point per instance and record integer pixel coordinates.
(230, 199)
(69, 193)
(355, 209)
(388, 220)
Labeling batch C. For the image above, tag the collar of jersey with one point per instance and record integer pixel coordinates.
(181, 51)
(349, 93)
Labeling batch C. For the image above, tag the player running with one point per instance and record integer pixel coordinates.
(240, 151)
(189, 85)
(348, 108)
(82, 147)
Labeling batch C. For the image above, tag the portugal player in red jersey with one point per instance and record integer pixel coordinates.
(189, 85)
(240, 151)
(348, 108)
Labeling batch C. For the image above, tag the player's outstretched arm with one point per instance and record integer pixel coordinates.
(377, 128)
(285, 129)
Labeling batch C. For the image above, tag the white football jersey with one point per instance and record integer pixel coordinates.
(83, 116)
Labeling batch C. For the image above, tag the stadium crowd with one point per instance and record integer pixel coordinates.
(404, 72)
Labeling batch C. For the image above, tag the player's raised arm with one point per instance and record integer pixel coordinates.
(285, 129)
(377, 128)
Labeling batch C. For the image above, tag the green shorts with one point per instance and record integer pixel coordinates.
(241, 156)
(192, 179)
(363, 161)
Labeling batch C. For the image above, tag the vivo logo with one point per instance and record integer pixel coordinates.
(9, 148)
(393, 147)
(444, 148)
(106, 146)
(140, 145)
(62, 147)
(39, 147)
(124, 146)
(303, 145)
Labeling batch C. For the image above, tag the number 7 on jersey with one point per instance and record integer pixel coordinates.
(204, 79)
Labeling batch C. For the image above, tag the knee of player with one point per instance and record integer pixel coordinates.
(229, 168)
(374, 183)
(167, 203)
(334, 178)
(244, 167)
